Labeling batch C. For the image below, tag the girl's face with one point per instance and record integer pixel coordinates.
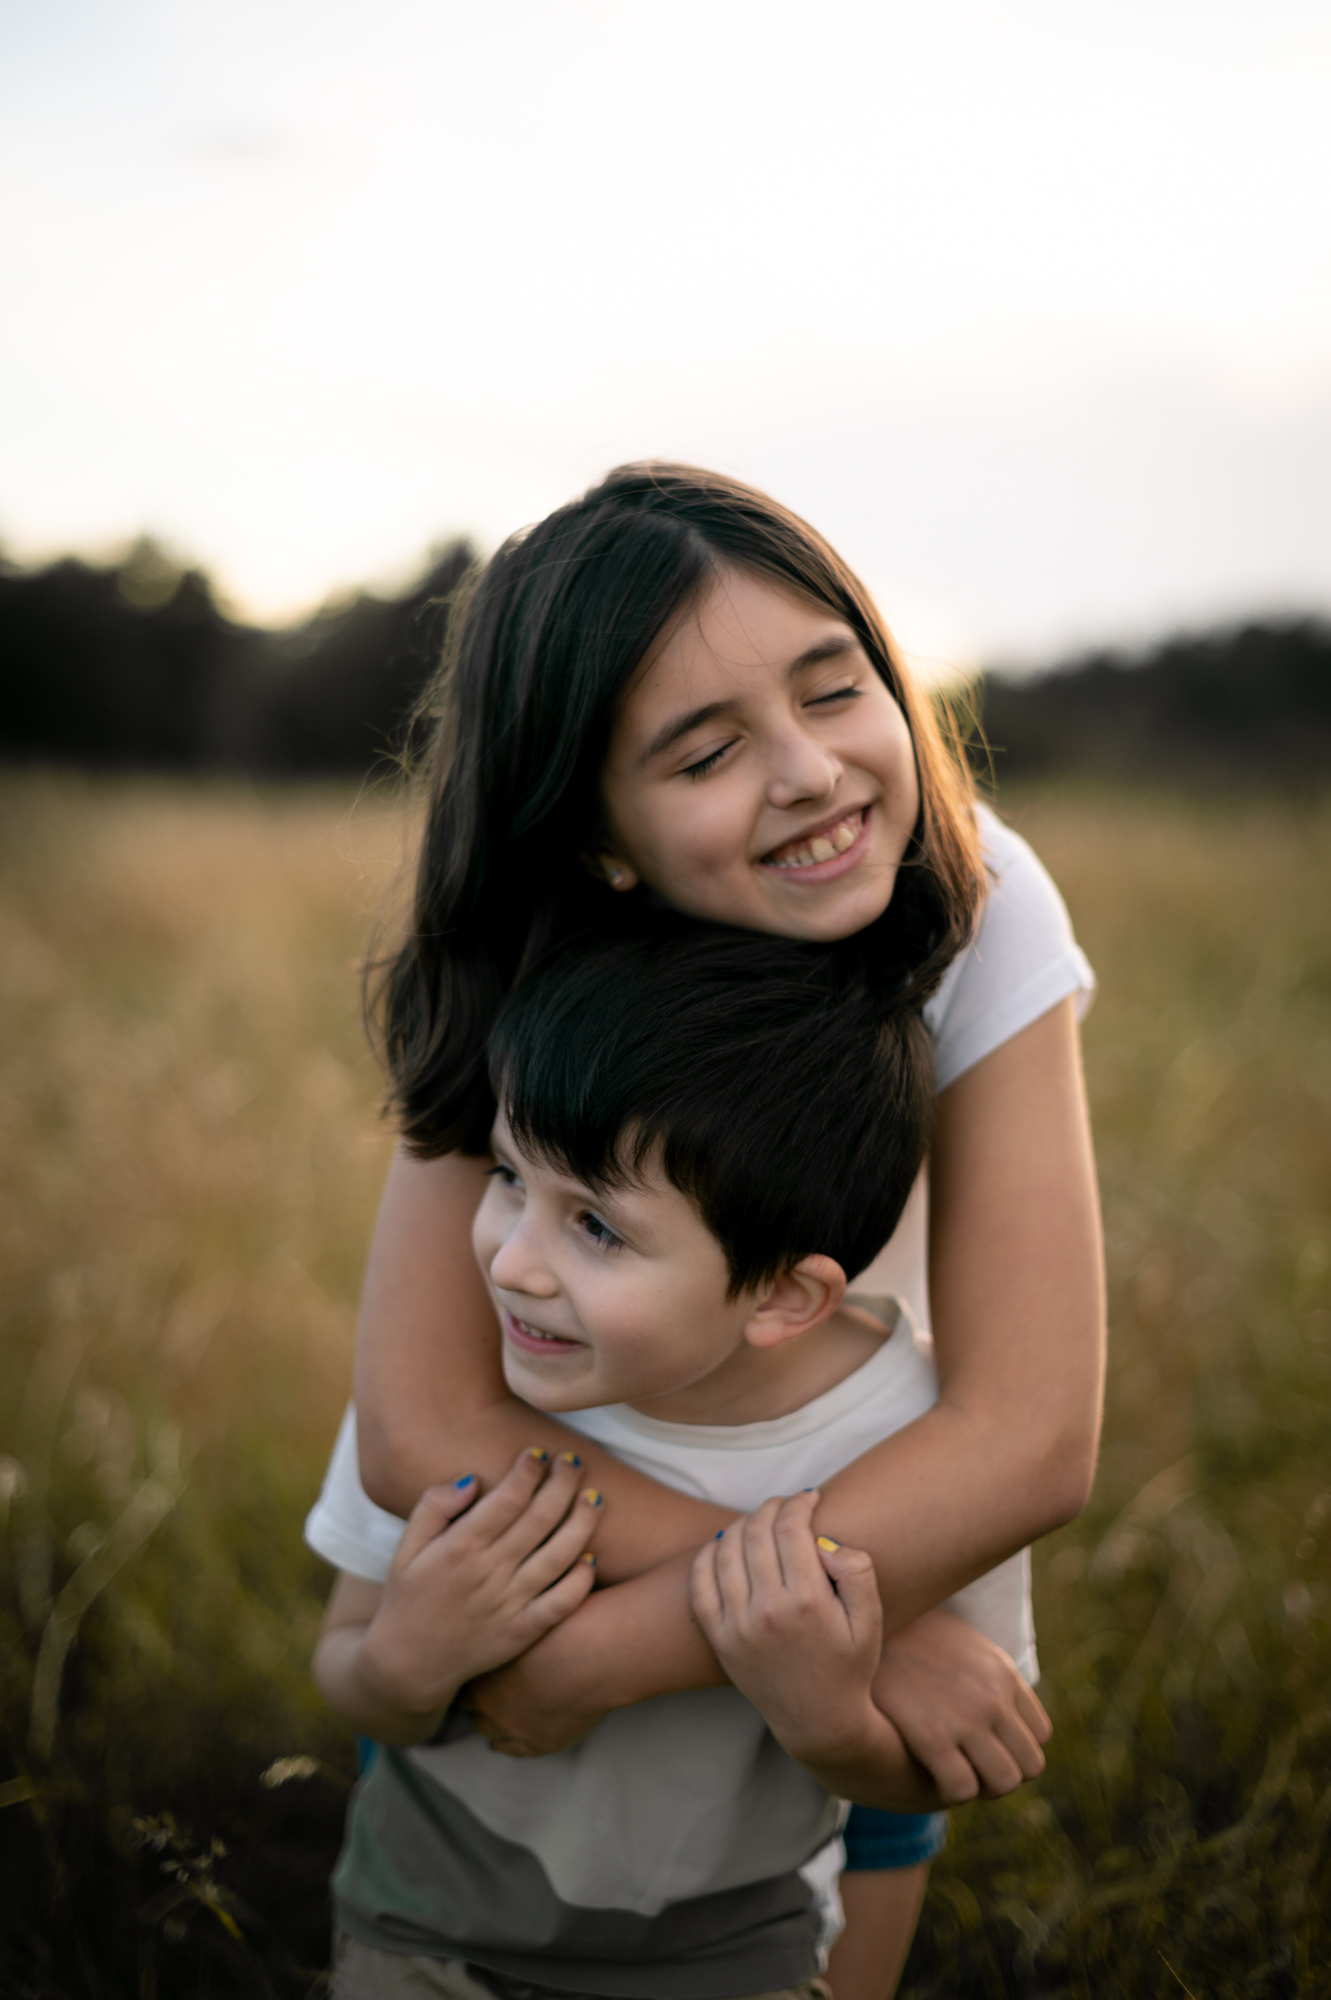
(759, 772)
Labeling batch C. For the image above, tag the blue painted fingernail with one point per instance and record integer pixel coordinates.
(718, 1534)
(469, 1480)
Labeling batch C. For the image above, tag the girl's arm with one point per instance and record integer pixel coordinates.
(1016, 1281)
(1006, 1454)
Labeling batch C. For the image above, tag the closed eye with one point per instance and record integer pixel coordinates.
(704, 764)
(837, 694)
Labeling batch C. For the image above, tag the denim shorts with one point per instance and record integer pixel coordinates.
(877, 1839)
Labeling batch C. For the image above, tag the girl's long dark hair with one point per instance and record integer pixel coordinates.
(540, 649)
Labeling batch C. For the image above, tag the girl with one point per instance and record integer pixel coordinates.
(673, 689)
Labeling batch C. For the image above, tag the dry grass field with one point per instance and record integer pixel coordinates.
(189, 1179)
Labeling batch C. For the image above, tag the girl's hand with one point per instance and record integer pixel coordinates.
(524, 1710)
(619, 1648)
(962, 1708)
(473, 1583)
(802, 1650)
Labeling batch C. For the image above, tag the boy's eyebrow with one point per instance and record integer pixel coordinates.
(812, 656)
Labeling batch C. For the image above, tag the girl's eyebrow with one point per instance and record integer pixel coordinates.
(812, 656)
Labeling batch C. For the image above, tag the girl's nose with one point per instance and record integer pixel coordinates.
(802, 770)
(518, 1266)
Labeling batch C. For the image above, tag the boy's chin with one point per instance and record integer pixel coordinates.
(534, 1386)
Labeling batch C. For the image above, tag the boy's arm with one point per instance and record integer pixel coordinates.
(473, 1583)
(798, 1626)
(347, 1681)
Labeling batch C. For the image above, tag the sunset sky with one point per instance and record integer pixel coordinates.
(1027, 306)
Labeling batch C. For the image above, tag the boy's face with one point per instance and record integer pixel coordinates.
(603, 1297)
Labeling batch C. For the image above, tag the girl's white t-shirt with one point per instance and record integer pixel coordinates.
(1021, 962)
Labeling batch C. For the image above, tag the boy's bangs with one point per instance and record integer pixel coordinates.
(584, 1149)
(775, 1085)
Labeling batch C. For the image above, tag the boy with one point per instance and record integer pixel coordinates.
(698, 1134)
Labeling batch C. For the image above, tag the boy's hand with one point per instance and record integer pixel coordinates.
(805, 1652)
(476, 1581)
(961, 1707)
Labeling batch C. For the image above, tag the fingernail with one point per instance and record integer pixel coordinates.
(719, 1533)
(538, 1452)
(469, 1480)
(825, 1542)
(590, 1558)
(569, 1458)
(593, 1496)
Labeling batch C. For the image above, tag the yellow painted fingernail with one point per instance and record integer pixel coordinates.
(590, 1558)
(569, 1458)
(538, 1452)
(593, 1495)
(825, 1543)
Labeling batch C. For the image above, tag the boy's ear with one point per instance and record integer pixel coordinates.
(799, 1300)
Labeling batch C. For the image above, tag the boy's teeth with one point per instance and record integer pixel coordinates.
(823, 846)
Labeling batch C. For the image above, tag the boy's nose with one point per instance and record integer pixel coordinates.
(517, 1266)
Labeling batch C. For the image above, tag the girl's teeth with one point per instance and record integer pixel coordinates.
(825, 846)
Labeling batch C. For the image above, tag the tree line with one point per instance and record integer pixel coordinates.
(135, 665)
(1247, 702)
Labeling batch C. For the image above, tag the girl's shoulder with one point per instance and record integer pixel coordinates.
(1023, 959)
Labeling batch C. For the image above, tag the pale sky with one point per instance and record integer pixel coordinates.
(1026, 305)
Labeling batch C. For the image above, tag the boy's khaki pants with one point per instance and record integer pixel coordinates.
(361, 1973)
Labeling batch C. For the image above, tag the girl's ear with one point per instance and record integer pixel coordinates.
(608, 867)
(799, 1300)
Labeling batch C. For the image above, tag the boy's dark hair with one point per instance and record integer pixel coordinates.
(540, 652)
(789, 1106)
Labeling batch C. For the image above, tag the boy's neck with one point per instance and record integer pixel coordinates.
(755, 1385)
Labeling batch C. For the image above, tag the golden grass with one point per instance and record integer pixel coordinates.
(192, 1166)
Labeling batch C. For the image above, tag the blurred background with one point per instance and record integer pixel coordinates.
(1029, 310)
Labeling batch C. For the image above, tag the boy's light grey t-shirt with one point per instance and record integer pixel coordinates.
(676, 1853)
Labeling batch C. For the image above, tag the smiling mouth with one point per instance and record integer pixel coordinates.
(535, 1340)
(813, 850)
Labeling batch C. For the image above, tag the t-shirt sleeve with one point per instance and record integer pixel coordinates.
(1022, 961)
(344, 1526)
